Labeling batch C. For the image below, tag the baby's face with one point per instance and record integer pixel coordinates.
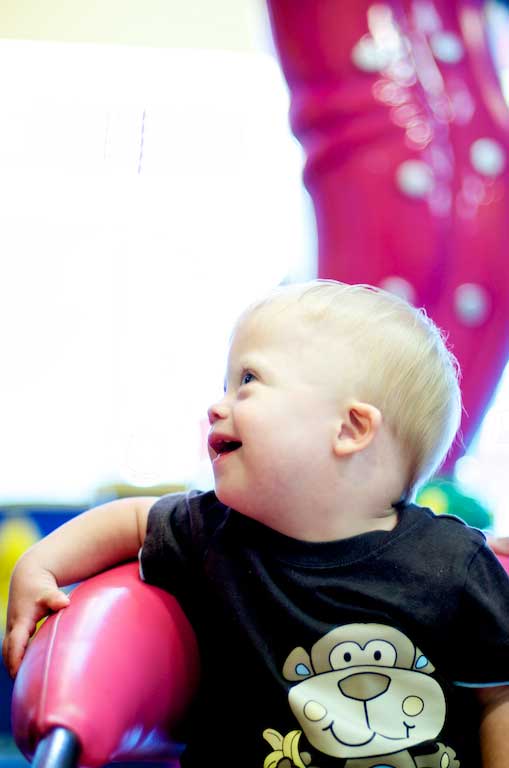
(274, 428)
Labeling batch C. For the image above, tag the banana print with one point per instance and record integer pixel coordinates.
(283, 747)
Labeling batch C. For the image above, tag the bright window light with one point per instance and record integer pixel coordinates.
(145, 197)
(483, 471)
(497, 26)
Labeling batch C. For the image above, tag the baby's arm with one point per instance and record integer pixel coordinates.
(494, 731)
(87, 544)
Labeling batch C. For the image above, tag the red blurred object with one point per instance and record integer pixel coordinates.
(118, 668)
(406, 132)
(504, 559)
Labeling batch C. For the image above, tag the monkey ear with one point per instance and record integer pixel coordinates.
(422, 663)
(298, 665)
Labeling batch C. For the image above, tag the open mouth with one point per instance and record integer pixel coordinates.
(221, 445)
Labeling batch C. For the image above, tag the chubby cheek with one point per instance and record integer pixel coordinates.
(264, 420)
(282, 437)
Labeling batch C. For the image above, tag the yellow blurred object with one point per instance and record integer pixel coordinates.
(16, 536)
(435, 499)
(445, 496)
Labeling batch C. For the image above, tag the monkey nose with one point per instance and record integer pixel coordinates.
(364, 686)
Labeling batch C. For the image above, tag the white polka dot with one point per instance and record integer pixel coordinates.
(472, 303)
(403, 72)
(445, 761)
(399, 287)
(447, 47)
(414, 178)
(389, 93)
(404, 115)
(419, 133)
(368, 56)
(487, 157)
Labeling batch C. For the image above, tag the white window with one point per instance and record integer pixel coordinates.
(146, 195)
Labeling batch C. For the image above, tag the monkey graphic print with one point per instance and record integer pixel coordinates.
(365, 695)
(396, 630)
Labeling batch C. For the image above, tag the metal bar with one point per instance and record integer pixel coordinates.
(60, 748)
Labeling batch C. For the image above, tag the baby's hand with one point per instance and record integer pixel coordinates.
(33, 594)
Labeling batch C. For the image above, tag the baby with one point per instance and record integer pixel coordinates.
(339, 624)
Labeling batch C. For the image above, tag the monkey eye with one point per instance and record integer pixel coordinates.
(380, 652)
(346, 654)
(375, 653)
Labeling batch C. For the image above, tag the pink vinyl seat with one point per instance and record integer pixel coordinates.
(108, 678)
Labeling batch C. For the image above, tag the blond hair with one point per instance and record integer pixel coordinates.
(404, 366)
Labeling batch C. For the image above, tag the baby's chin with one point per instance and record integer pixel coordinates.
(236, 501)
(226, 496)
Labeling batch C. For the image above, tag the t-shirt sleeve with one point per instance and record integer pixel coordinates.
(483, 637)
(179, 529)
(166, 550)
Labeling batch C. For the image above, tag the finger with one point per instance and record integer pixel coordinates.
(17, 636)
(53, 600)
(4, 650)
(14, 647)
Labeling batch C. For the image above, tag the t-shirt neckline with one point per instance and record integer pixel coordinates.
(322, 554)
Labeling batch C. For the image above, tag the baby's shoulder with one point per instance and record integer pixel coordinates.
(206, 513)
(447, 530)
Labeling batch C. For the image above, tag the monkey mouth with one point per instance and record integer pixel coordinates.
(399, 738)
(330, 728)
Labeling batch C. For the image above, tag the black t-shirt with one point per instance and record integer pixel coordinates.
(360, 652)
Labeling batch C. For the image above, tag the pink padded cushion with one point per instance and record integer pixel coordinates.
(118, 667)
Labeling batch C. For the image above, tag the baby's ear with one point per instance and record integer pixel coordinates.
(359, 425)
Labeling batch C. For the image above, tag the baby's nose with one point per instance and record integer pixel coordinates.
(217, 411)
(364, 686)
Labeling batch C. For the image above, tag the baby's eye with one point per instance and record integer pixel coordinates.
(247, 377)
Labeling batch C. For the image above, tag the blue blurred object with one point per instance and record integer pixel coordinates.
(10, 756)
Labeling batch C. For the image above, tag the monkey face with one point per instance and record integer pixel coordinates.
(374, 697)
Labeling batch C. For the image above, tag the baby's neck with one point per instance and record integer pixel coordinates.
(327, 511)
(349, 498)
(336, 526)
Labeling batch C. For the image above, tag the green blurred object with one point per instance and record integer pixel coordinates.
(443, 496)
